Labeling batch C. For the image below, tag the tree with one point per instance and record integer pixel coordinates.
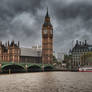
(54, 59)
(67, 59)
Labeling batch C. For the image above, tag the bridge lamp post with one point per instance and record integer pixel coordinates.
(0, 68)
(26, 66)
(43, 67)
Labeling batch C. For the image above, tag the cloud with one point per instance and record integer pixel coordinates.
(22, 20)
(18, 20)
(73, 22)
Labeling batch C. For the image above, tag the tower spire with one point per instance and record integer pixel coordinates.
(47, 20)
(47, 14)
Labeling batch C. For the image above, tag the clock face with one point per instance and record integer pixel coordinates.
(45, 31)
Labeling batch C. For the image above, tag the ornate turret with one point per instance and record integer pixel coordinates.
(18, 43)
(85, 42)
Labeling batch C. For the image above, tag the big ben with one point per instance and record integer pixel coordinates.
(47, 41)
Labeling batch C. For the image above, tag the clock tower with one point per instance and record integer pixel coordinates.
(47, 41)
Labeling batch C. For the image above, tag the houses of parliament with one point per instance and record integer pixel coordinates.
(10, 51)
(13, 52)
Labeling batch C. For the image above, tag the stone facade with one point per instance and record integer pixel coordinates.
(47, 41)
(10, 52)
(80, 49)
(31, 55)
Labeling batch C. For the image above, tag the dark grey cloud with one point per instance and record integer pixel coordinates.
(74, 22)
(18, 20)
(22, 20)
(10, 7)
(74, 10)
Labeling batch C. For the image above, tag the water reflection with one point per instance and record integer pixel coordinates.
(46, 82)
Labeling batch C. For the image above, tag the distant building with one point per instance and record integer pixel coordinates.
(80, 49)
(60, 56)
(9, 52)
(31, 55)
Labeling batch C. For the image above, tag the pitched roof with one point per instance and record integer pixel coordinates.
(31, 52)
(47, 14)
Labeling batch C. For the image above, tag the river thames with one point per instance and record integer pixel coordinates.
(47, 82)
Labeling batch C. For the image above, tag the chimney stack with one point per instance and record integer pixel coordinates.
(85, 42)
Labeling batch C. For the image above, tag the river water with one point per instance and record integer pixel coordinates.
(47, 82)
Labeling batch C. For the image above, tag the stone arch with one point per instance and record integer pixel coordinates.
(34, 68)
(48, 68)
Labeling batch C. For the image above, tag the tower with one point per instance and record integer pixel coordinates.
(47, 41)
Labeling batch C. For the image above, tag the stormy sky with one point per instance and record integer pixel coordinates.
(21, 20)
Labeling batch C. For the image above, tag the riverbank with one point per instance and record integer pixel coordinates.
(54, 70)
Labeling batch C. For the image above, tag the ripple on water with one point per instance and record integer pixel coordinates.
(46, 82)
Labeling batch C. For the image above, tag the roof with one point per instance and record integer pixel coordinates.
(31, 52)
(47, 14)
(82, 47)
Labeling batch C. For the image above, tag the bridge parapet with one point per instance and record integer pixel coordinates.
(26, 66)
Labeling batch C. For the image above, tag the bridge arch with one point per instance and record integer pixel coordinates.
(14, 68)
(34, 68)
(48, 68)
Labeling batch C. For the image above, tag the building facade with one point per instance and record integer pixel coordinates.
(31, 55)
(47, 41)
(10, 52)
(80, 49)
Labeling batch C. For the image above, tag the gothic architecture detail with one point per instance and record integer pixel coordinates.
(10, 52)
(79, 50)
(47, 40)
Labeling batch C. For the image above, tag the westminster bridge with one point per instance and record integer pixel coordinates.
(6, 67)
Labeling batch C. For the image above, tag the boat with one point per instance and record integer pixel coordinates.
(85, 69)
